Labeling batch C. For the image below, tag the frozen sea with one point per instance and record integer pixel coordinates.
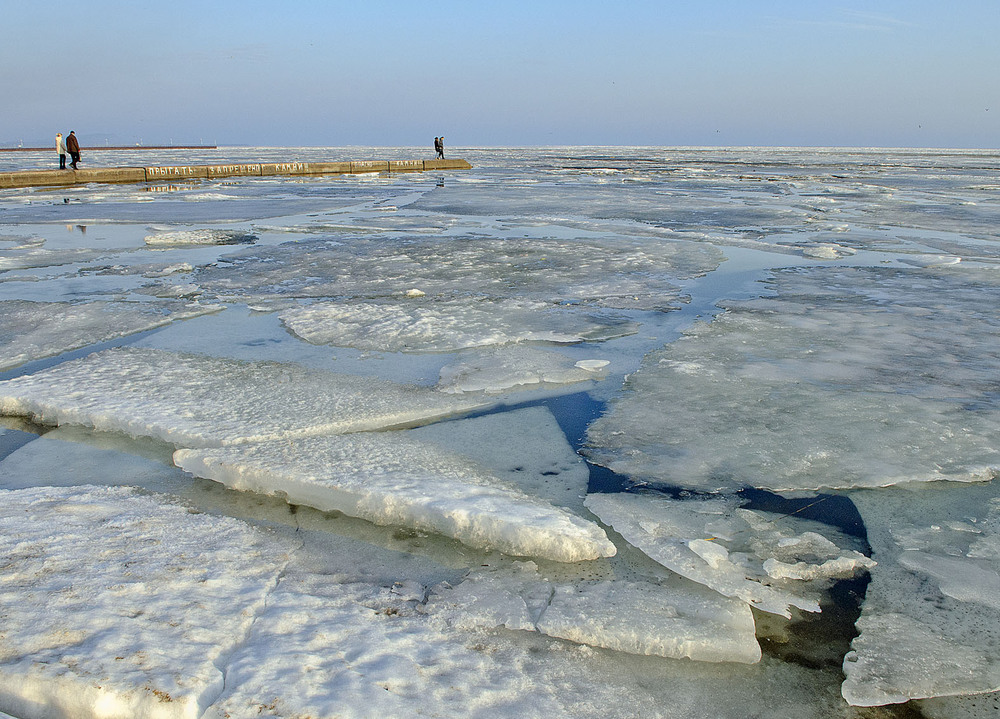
(581, 432)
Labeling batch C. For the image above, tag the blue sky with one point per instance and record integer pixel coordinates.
(483, 73)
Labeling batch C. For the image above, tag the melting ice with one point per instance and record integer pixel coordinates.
(328, 459)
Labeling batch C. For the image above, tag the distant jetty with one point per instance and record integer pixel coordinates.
(173, 173)
(115, 147)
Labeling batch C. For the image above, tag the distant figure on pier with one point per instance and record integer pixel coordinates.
(61, 149)
(439, 146)
(73, 147)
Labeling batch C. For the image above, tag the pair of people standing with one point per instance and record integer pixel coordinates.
(439, 147)
(70, 145)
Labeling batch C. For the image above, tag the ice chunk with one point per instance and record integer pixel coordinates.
(773, 563)
(849, 377)
(391, 478)
(32, 330)
(446, 325)
(642, 618)
(507, 368)
(197, 401)
(679, 620)
(930, 623)
(29, 257)
(200, 237)
(121, 604)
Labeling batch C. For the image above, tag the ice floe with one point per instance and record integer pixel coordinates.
(200, 237)
(848, 377)
(89, 629)
(771, 562)
(198, 401)
(618, 272)
(391, 478)
(506, 368)
(930, 622)
(32, 330)
(678, 620)
(448, 325)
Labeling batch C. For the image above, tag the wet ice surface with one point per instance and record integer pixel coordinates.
(788, 320)
(847, 377)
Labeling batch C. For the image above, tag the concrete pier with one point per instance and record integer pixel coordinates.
(42, 178)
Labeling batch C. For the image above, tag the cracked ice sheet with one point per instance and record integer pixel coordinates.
(199, 401)
(32, 330)
(849, 377)
(393, 478)
(122, 604)
(737, 552)
(507, 368)
(930, 623)
(670, 619)
(616, 272)
(421, 325)
(326, 648)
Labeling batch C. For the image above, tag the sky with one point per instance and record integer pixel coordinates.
(894, 73)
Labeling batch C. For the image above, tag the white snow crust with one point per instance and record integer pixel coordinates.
(198, 401)
(199, 237)
(390, 478)
(117, 604)
(773, 563)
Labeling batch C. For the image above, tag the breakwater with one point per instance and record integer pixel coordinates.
(41, 178)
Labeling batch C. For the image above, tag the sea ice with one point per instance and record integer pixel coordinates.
(614, 272)
(930, 623)
(448, 325)
(390, 478)
(199, 401)
(119, 604)
(677, 620)
(526, 447)
(505, 368)
(200, 237)
(32, 330)
(848, 377)
(771, 562)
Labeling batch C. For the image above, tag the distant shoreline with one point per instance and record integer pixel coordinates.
(115, 147)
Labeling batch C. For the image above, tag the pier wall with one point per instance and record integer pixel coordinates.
(41, 178)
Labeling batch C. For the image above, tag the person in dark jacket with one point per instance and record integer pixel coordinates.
(439, 146)
(73, 148)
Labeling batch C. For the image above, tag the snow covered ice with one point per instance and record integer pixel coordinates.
(316, 446)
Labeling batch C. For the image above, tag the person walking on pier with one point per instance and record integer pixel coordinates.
(61, 149)
(73, 147)
(439, 146)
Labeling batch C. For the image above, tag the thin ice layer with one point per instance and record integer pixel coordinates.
(849, 377)
(613, 272)
(32, 330)
(930, 624)
(390, 478)
(505, 368)
(677, 620)
(200, 401)
(526, 447)
(773, 563)
(121, 604)
(422, 325)
(199, 237)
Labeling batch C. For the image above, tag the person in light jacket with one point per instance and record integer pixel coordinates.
(61, 149)
(73, 147)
